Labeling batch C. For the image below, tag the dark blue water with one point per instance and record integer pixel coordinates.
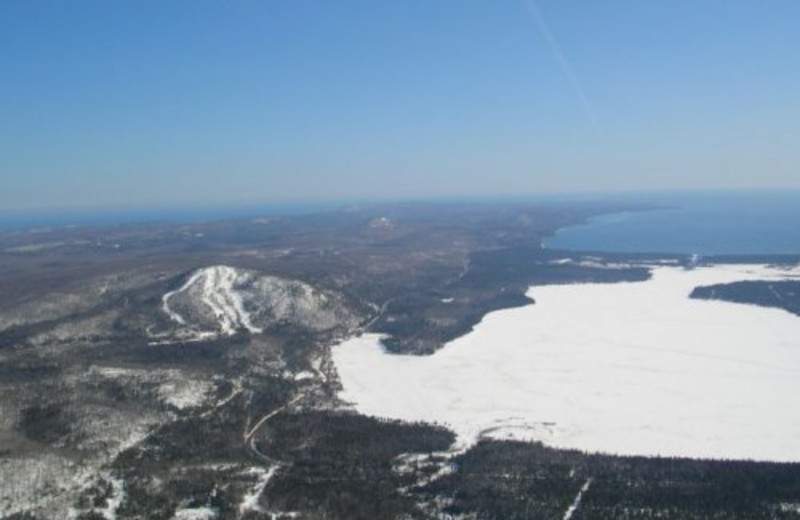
(725, 223)
(121, 216)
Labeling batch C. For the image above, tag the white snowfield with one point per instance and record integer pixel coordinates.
(628, 368)
(220, 300)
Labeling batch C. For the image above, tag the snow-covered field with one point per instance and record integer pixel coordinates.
(627, 368)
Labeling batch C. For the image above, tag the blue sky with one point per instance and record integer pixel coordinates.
(237, 102)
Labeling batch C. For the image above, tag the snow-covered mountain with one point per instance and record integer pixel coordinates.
(220, 300)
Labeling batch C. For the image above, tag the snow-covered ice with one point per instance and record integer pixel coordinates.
(625, 368)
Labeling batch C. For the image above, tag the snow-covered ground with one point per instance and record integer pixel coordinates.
(111, 502)
(250, 500)
(215, 286)
(626, 368)
(185, 393)
(221, 300)
(173, 387)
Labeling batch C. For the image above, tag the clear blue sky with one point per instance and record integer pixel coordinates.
(193, 102)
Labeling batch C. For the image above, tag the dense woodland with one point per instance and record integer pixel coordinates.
(514, 480)
(779, 294)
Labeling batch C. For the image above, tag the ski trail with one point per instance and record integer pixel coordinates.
(165, 299)
(577, 502)
(218, 293)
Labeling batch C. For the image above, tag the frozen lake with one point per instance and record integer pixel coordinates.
(629, 368)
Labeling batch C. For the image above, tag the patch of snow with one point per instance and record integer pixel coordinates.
(305, 375)
(113, 501)
(110, 372)
(592, 262)
(235, 390)
(185, 393)
(195, 513)
(250, 500)
(633, 368)
(432, 466)
(172, 386)
(595, 264)
(35, 483)
(116, 499)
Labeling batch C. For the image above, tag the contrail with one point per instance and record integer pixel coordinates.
(541, 24)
